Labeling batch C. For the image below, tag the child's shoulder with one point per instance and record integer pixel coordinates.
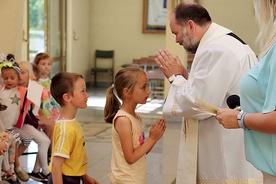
(67, 127)
(22, 88)
(67, 123)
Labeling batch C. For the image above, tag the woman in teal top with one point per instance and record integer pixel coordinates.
(258, 94)
(258, 98)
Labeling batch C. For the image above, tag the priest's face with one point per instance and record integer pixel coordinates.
(183, 36)
(188, 42)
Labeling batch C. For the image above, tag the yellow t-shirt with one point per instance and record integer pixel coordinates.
(69, 143)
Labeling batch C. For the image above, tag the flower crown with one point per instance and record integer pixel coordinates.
(4, 63)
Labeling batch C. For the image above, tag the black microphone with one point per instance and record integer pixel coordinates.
(233, 101)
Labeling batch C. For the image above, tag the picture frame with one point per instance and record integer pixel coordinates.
(154, 16)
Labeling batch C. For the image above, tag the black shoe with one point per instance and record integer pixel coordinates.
(13, 182)
(39, 177)
(45, 180)
(17, 181)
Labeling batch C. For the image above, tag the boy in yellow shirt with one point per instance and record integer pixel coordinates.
(69, 161)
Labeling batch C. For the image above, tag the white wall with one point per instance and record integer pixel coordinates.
(11, 21)
(118, 25)
(78, 16)
(105, 24)
(237, 15)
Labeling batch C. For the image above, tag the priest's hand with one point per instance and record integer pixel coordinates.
(170, 65)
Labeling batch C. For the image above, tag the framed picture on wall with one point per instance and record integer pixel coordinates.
(154, 16)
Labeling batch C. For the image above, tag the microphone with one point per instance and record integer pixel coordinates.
(233, 101)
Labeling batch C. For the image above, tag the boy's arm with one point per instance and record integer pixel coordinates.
(88, 180)
(56, 169)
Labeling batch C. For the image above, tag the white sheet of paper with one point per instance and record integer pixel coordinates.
(35, 110)
(34, 92)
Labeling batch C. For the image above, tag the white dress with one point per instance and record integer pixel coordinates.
(209, 153)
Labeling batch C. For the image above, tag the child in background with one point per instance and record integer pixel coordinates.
(69, 160)
(12, 117)
(8, 155)
(34, 131)
(42, 66)
(129, 148)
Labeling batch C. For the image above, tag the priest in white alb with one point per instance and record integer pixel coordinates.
(208, 153)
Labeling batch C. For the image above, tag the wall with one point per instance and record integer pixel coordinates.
(11, 21)
(236, 15)
(78, 17)
(118, 25)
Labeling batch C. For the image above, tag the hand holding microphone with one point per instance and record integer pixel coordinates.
(228, 117)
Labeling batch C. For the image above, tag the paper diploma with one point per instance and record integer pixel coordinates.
(207, 108)
(34, 92)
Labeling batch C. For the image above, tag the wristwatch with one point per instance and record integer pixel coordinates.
(171, 78)
(239, 117)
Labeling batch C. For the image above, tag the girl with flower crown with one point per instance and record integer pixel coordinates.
(12, 116)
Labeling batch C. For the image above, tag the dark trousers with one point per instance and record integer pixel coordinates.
(67, 179)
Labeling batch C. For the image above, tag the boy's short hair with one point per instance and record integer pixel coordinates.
(63, 82)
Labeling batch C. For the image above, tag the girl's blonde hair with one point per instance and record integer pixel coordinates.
(125, 78)
(25, 65)
(265, 11)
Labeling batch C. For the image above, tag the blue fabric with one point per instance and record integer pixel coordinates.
(258, 94)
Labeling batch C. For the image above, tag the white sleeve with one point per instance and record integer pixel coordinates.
(175, 105)
(212, 75)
